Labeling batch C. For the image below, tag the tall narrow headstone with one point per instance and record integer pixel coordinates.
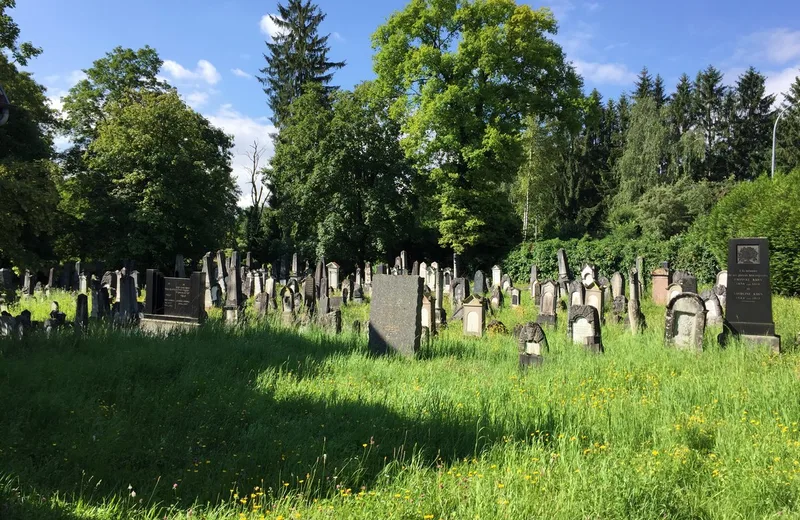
(635, 316)
(456, 265)
(234, 299)
(617, 284)
(564, 274)
(367, 273)
(295, 266)
(748, 312)
(497, 276)
(439, 314)
(333, 275)
(82, 313)
(180, 267)
(640, 270)
(549, 304)
(404, 262)
(479, 283)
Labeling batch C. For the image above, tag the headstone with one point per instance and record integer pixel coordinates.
(479, 284)
(287, 305)
(423, 271)
(515, 297)
(381, 269)
(619, 308)
(427, 315)
(456, 265)
(474, 315)
(686, 322)
(447, 279)
(358, 294)
(51, 279)
(261, 305)
(309, 295)
(674, 290)
(534, 277)
(588, 275)
(395, 320)
(415, 268)
(83, 284)
(686, 280)
(584, 327)
(661, 282)
(295, 266)
(722, 294)
(333, 275)
(76, 273)
(8, 293)
(283, 274)
(65, 281)
(713, 308)
(101, 303)
(497, 276)
(564, 274)
(82, 313)
(440, 318)
(404, 262)
(496, 299)
(209, 279)
(27, 284)
(549, 304)
(398, 266)
(234, 299)
(154, 292)
(722, 278)
(748, 312)
(222, 274)
(576, 290)
(248, 261)
(594, 297)
(180, 267)
(461, 290)
(640, 270)
(319, 272)
(505, 283)
(532, 344)
(617, 284)
(128, 305)
(635, 317)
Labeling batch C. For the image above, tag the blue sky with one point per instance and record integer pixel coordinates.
(213, 49)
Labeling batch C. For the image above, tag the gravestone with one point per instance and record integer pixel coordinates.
(515, 297)
(309, 295)
(576, 290)
(460, 288)
(722, 278)
(532, 344)
(685, 324)
(588, 275)
(686, 280)
(474, 315)
(333, 275)
(261, 305)
(661, 281)
(82, 313)
(368, 274)
(154, 292)
(27, 284)
(398, 266)
(173, 303)
(258, 283)
(319, 272)
(128, 306)
(359, 277)
(584, 327)
(382, 269)
(635, 317)
(497, 276)
(535, 287)
(295, 271)
(713, 308)
(208, 278)
(617, 284)
(248, 261)
(358, 294)
(640, 270)
(234, 299)
(447, 279)
(415, 268)
(505, 283)
(8, 293)
(287, 305)
(479, 283)
(619, 308)
(222, 274)
(395, 318)
(594, 297)
(283, 273)
(65, 280)
(549, 304)
(674, 290)
(722, 294)
(440, 318)
(423, 272)
(180, 267)
(427, 312)
(404, 262)
(101, 303)
(456, 265)
(496, 299)
(748, 311)
(564, 274)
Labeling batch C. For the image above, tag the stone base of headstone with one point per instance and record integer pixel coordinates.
(546, 319)
(772, 342)
(458, 314)
(358, 301)
(530, 360)
(336, 302)
(163, 325)
(331, 322)
(441, 318)
(233, 314)
(593, 344)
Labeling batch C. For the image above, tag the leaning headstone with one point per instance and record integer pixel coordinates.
(564, 274)
(549, 304)
(584, 327)
(82, 313)
(479, 283)
(617, 285)
(532, 344)
(713, 308)
(748, 312)
(685, 324)
(395, 321)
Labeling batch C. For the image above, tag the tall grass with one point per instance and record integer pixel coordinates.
(262, 420)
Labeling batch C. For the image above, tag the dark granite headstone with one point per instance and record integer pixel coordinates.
(395, 322)
(82, 313)
(8, 292)
(154, 293)
(309, 295)
(381, 269)
(180, 267)
(479, 283)
(748, 311)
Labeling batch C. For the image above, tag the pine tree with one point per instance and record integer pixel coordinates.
(644, 85)
(788, 136)
(751, 126)
(659, 95)
(681, 114)
(709, 110)
(296, 55)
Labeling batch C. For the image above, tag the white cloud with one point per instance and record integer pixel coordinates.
(592, 6)
(336, 36)
(76, 76)
(269, 27)
(245, 130)
(561, 8)
(240, 73)
(778, 82)
(776, 46)
(197, 99)
(604, 73)
(204, 71)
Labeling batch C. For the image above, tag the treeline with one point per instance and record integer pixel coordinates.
(474, 136)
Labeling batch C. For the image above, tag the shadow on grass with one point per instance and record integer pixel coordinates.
(190, 418)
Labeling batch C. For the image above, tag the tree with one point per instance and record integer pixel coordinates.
(167, 172)
(711, 117)
(681, 111)
(254, 234)
(297, 55)
(644, 87)
(659, 94)
(751, 125)
(463, 76)
(788, 136)
(9, 36)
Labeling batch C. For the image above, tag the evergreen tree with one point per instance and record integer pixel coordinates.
(709, 110)
(681, 113)
(297, 55)
(659, 94)
(788, 136)
(751, 126)
(644, 85)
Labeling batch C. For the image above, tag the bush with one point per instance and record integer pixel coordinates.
(762, 208)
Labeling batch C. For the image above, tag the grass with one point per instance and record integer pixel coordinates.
(261, 421)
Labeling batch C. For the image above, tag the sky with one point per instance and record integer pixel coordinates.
(213, 49)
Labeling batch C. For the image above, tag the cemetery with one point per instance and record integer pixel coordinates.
(412, 260)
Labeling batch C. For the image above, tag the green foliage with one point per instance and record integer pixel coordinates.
(762, 208)
(9, 34)
(462, 76)
(788, 135)
(297, 56)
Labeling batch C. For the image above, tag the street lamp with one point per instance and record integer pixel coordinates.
(774, 134)
(5, 105)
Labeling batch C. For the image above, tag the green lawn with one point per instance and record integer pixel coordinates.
(266, 422)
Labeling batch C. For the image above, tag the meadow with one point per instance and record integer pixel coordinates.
(262, 421)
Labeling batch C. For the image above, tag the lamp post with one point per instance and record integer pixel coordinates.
(774, 135)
